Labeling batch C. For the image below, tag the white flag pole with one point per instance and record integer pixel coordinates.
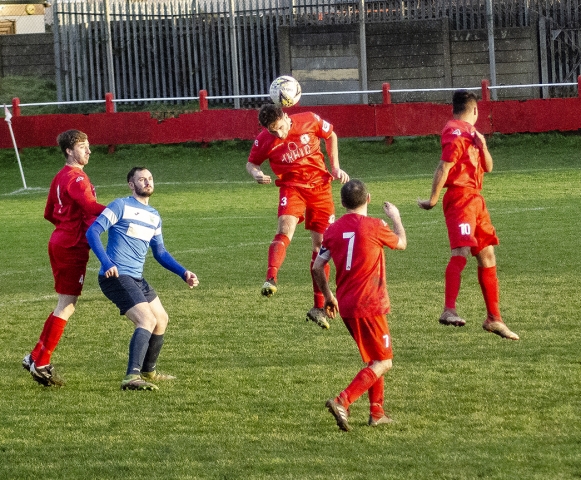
(7, 117)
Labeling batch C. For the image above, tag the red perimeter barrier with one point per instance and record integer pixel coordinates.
(385, 120)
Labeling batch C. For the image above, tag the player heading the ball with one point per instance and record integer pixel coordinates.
(291, 144)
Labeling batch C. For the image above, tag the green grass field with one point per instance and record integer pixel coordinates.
(253, 376)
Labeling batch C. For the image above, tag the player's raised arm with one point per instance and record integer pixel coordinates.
(480, 142)
(393, 214)
(332, 147)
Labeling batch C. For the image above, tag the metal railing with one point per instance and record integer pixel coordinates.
(203, 98)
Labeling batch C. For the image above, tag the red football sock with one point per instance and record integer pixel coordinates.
(376, 398)
(318, 297)
(360, 384)
(276, 254)
(490, 290)
(453, 278)
(42, 338)
(53, 335)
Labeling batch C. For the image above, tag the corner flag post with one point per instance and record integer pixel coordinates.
(7, 117)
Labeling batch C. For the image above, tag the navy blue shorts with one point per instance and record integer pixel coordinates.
(126, 292)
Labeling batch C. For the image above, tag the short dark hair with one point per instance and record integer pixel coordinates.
(132, 172)
(69, 139)
(462, 101)
(269, 114)
(354, 194)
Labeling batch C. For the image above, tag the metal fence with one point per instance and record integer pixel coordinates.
(175, 48)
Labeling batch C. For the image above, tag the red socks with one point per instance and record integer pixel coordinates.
(318, 297)
(376, 395)
(362, 382)
(486, 278)
(490, 290)
(41, 339)
(453, 278)
(276, 254)
(49, 339)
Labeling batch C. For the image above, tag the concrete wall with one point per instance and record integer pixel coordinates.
(408, 55)
(516, 60)
(27, 55)
(325, 59)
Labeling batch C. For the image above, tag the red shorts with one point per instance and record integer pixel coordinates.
(313, 205)
(69, 266)
(371, 335)
(468, 220)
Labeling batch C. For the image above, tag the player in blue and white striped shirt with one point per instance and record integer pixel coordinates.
(133, 226)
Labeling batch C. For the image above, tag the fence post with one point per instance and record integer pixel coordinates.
(386, 94)
(363, 50)
(387, 101)
(485, 91)
(203, 100)
(109, 108)
(109, 105)
(15, 107)
(579, 86)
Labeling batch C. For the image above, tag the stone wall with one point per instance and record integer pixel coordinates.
(27, 55)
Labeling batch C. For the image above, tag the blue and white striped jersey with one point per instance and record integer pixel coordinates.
(132, 227)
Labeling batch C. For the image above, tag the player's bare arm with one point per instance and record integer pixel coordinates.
(392, 213)
(191, 279)
(440, 177)
(480, 142)
(331, 305)
(256, 173)
(332, 146)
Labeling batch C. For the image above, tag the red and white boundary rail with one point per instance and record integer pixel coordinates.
(383, 120)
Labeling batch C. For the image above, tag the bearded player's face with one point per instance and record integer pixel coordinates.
(143, 183)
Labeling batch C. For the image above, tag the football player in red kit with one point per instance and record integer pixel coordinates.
(356, 244)
(465, 159)
(291, 144)
(72, 207)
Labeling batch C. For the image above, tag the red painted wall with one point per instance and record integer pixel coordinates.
(386, 120)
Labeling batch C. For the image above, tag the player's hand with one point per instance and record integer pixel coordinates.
(191, 279)
(340, 175)
(112, 272)
(261, 178)
(331, 307)
(390, 210)
(480, 140)
(425, 204)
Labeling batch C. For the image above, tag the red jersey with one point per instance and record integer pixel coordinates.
(355, 243)
(71, 206)
(458, 148)
(297, 160)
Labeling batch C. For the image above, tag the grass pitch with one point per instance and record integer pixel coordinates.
(253, 376)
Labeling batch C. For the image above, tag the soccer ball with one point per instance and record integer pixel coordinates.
(285, 91)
